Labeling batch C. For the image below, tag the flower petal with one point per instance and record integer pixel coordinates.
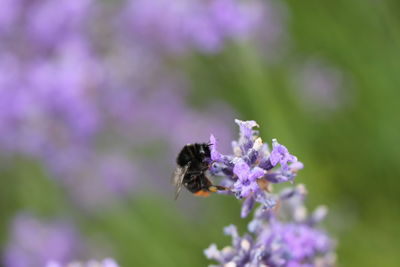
(241, 169)
(247, 206)
(215, 155)
(255, 173)
(246, 127)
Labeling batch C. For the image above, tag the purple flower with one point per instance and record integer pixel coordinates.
(34, 242)
(182, 26)
(73, 94)
(50, 22)
(104, 263)
(293, 244)
(237, 255)
(276, 242)
(281, 155)
(215, 155)
(247, 178)
(281, 233)
(246, 128)
(321, 86)
(250, 169)
(110, 179)
(9, 14)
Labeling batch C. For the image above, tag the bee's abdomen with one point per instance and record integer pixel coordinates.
(195, 183)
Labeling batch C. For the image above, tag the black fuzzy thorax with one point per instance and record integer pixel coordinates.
(196, 157)
(195, 154)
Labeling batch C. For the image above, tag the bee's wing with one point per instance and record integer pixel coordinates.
(177, 179)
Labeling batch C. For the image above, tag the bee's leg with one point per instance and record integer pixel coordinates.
(216, 188)
(213, 188)
(193, 173)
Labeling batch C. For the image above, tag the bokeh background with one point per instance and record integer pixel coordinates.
(97, 98)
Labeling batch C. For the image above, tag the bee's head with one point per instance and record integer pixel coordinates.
(206, 151)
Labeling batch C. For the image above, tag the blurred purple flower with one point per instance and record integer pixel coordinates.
(278, 238)
(34, 242)
(100, 181)
(50, 22)
(9, 13)
(92, 263)
(78, 100)
(184, 25)
(321, 86)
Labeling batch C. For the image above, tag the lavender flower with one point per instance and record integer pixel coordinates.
(281, 237)
(281, 233)
(281, 155)
(34, 242)
(180, 26)
(73, 99)
(251, 167)
(112, 179)
(50, 23)
(92, 263)
(8, 13)
(321, 87)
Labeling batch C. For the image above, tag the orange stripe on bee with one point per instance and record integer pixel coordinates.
(202, 193)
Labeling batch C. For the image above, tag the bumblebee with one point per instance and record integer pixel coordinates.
(193, 162)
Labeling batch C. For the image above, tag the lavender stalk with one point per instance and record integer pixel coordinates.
(281, 233)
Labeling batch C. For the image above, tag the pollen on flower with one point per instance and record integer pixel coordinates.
(230, 264)
(237, 151)
(226, 250)
(245, 244)
(257, 144)
(300, 214)
(301, 188)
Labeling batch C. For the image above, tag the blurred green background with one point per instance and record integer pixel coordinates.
(350, 154)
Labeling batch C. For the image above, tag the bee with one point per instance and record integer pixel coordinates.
(193, 162)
